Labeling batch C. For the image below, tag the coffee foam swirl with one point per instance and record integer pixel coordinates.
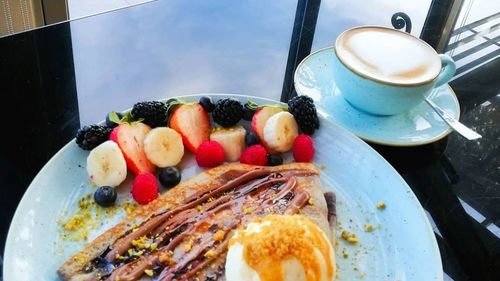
(387, 55)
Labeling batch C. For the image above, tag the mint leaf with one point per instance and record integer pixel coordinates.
(172, 104)
(137, 121)
(127, 118)
(113, 117)
(254, 106)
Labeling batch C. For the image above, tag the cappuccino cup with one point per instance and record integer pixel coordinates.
(385, 71)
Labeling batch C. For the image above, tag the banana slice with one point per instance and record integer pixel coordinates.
(232, 140)
(163, 147)
(280, 131)
(106, 165)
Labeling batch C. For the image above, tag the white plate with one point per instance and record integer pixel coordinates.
(420, 125)
(402, 246)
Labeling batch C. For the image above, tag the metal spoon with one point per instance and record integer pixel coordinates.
(454, 123)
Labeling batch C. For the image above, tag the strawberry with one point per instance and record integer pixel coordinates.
(259, 120)
(192, 122)
(130, 139)
(114, 134)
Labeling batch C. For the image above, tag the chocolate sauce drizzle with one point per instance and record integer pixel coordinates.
(217, 209)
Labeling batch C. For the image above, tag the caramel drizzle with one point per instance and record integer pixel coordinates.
(165, 227)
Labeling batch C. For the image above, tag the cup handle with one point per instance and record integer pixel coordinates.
(449, 69)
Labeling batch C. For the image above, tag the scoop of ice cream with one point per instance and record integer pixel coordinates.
(280, 248)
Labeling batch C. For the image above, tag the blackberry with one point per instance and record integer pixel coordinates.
(227, 112)
(91, 136)
(153, 112)
(207, 104)
(304, 111)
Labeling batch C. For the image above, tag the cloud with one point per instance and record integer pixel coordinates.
(141, 54)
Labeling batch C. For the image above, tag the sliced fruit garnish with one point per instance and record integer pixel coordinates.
(192, 122)
(260, 118)
(130, 138)
(232, 140)
(280, 131)
(163, 147)
(106, 165)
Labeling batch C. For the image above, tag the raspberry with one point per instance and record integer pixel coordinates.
(145, 188)
(255, 155)
(209, 154)
(303, 148)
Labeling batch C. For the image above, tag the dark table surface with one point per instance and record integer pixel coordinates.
(58, 78)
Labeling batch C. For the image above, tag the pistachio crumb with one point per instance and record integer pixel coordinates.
(349, 237)
(345, 254)
(353, 239)
(219, 235)
(209, 253)
(189, 244)
(166, 258)
(368, 228)
(148, 272)
(381, 205)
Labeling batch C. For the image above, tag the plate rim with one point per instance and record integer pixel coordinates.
(428, 228)
(368, 138)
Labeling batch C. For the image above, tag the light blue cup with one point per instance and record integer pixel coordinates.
(380, 97)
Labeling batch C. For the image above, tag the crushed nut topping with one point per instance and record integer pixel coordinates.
(368, 228)
(381, 205)
(219, 235)
(349, 237)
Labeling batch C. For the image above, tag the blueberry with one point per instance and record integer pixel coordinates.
(110, 123)
(248, 112)
(105, 196)
(207, 104)
(102, 266)
(169, 177)
(251, 139)
(274, 159)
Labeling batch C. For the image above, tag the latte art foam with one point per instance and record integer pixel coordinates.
(388, 55)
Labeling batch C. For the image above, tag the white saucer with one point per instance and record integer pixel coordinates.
(420, 125)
